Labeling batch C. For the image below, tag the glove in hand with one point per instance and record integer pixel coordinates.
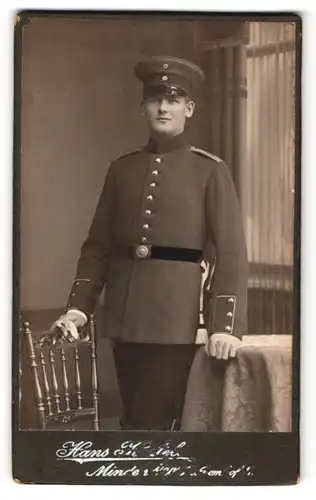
(67, 326)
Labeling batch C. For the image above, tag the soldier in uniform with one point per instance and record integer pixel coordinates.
(163, 209)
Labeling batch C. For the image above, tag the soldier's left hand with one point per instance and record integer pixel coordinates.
(222, 346)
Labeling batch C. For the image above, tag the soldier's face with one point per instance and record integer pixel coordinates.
(166, 115)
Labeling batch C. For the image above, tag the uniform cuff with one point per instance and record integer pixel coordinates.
(221, 317)
(80, 290)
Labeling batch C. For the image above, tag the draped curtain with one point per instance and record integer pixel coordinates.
(250, 94)
(268, 179)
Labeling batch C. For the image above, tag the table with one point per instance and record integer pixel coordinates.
(251, 393)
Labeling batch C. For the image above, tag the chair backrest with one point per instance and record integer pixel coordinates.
(50, 359)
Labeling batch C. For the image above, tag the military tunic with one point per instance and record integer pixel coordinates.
(175, 197)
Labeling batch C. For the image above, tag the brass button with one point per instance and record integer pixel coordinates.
(144, 239)
(155, 172)
(147, 212)
(228, 328)
(165, 66)
(73, 294)
(150, 197)
(231, 300)
(145, 226)
(158, 160)
(229, 314)
(165, 78)
(152, 184)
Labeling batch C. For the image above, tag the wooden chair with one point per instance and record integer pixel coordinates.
(45, 351)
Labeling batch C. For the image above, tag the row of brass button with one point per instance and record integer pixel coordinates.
(150, 197)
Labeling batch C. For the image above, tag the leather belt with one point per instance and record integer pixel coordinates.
(143, 252)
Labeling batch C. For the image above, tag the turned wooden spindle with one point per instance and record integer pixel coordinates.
(37, 388)
(95, 395)
(65, 378)
(46, 385)
(54, 378)
(78, 379)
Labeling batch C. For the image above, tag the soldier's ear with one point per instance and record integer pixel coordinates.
(189, 108)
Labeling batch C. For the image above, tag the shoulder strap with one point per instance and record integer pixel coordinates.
(202, 152)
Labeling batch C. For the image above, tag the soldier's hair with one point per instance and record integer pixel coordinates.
(188, 98)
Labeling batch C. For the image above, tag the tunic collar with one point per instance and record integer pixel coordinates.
(177, 142)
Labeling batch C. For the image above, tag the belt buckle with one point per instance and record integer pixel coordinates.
(142, 251)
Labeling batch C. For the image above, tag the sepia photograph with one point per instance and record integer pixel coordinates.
(157, 232)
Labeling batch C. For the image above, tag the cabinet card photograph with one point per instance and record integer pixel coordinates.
(156, 253)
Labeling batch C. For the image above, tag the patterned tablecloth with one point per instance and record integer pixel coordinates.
(250, 393)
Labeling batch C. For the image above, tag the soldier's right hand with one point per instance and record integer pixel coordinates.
(69, 323)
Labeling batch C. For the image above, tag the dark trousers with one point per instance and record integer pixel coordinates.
(152, 379)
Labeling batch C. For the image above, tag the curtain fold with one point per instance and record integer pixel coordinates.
(226, 100)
